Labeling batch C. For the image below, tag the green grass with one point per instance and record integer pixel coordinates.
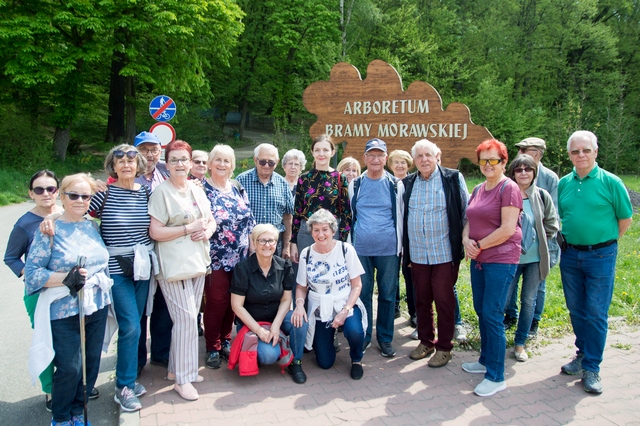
(631, 181)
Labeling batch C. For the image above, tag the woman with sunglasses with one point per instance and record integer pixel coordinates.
(124, 225)
(57, 328)
(261, 291)
(229, 245)
(181, 217)
(491, 239)
(43, 190)
(539, 224)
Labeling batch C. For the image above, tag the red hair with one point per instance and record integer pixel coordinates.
(493, 144)
(178, 145)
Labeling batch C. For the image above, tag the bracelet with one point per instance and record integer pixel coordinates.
(478, 245)
(185, 229)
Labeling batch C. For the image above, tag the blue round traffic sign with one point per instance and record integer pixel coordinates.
(162, 108)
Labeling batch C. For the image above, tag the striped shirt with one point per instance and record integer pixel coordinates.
(270, 201)
(428, 222)
(125, 219)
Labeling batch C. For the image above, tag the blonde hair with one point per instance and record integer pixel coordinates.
(78, 177)
(349, 161)
(400, 155)
(224, 151)
(263, 228)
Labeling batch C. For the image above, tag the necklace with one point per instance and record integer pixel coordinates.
(218, 187)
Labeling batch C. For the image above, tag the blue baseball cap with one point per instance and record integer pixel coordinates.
(145, 137)
(375, 143)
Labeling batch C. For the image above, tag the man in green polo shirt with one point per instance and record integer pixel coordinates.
(595, 210)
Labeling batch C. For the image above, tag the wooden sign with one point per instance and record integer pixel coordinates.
(354, 111)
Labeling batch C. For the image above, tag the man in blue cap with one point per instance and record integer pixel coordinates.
(149, 145)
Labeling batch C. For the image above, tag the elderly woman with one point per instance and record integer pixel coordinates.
(261, 291)
(329, 274)
(228, 246)
(57, 326)
(293, 163)
(182, 223)
(43, 190)
(350, 168)
(124, 225)
(491, 239)
(200, 160)
(320, 188)
(539, 224)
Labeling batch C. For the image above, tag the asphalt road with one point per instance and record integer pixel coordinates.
(21, 403)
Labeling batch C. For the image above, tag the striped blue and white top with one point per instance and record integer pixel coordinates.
(125, 219)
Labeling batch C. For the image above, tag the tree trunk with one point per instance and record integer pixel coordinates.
(243, 117)
(61, 142)
(115, 123)
(130, 99)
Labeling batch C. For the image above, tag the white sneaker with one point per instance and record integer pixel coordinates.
(474, 367)
(459, 333)
(414, 335)
(521, 356)
(488, 388)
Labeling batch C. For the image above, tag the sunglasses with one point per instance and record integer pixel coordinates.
(38, 190)
(200, 162)
(522, 170)
(577, 152)
(271, 163)
(73, 196)
(120, 154)
(491, 161)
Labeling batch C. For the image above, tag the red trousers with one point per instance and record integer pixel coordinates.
(218, 316)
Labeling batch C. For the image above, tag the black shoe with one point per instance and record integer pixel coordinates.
(397, 314)
(533, 331)
(213, 360)
(160, 362)
(356, 371)
(414, 321)
(47, 402)
(295, 369)
(509, 322)
(94, 394)
(225, 350)
(386, 349)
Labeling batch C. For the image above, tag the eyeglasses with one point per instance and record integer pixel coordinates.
(376, 156)
(175, 161)
(38, 190)
(576, 152)
(491, 161)
(264, 242)
(296, 165)
(523, 170)
(153, 151)
(200, 162)
(73, 196)
(120, 154)
(271, 163)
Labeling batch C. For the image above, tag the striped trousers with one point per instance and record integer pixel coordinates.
(183, 301)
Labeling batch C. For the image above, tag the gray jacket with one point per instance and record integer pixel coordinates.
(548, 180)
(546, 223)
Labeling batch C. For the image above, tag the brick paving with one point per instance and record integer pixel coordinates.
(399, 391)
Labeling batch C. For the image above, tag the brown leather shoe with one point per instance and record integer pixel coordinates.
(440, 359)
(421, 352)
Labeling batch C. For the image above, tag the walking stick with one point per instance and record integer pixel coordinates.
(83, 353)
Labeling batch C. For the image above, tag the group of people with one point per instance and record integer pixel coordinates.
(292, 259)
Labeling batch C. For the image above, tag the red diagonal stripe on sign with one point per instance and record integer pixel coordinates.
(162, 108)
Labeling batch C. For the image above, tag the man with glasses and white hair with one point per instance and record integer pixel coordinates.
(269, 194)
(596, 212)
(547, 180)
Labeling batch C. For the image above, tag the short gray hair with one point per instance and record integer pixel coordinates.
(321, 217)
(584, 135)
(141, 161)
(223, 151)
(265, 147)
(424, 143)
(199, 153)
(263, 228)
(294, 154)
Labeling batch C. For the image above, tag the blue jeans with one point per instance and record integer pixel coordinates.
(490, 285)
(129, 300)
(67, 397)
(530, 283)
(387, 277)
(457, 318)
(353, 332)
(587, 281)
(512, 307)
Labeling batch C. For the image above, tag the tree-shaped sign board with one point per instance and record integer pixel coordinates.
(354, 111)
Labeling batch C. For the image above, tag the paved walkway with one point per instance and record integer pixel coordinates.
(402, 392)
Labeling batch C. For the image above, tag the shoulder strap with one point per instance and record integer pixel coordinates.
(344, 251)
(104, 201)
(306, 258)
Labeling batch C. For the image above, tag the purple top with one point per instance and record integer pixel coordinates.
(485, 216)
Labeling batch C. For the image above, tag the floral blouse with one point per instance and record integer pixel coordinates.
(230, 242)
(71, 239)
(321, 189)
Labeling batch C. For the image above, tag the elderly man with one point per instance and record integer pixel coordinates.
(269, 194)
(435, 201)
(160, 324)
(547, 180)
(596, 211)
(376, 208)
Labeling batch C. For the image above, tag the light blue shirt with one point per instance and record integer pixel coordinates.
(375, 231)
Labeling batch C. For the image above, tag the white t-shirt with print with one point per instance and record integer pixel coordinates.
(330, 272)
